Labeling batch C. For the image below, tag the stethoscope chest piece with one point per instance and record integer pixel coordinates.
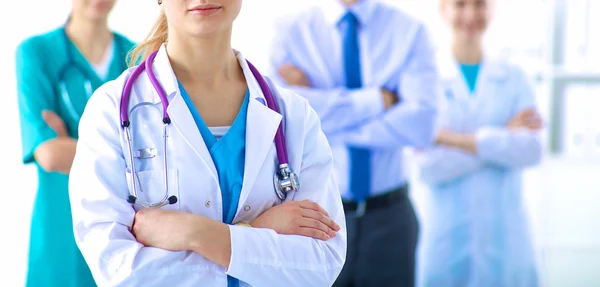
(285, 181)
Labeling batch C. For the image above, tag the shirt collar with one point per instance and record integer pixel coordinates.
(334, 11)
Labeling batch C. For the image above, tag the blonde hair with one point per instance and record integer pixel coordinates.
(158, 35)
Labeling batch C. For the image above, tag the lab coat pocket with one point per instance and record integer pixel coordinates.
(150, 185)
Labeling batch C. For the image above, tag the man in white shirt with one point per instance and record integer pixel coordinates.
(369, 71)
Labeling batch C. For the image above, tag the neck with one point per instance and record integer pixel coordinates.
(205, 61)
(91, 37)
(468, 52)
(349, 3)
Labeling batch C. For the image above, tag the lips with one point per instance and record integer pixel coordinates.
(205, 10)
(101, 5)
(206, 7)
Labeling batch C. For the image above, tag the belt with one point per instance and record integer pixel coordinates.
(396, 195)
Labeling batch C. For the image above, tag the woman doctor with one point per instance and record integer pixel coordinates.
(476, 232)
(56, 74)
(228, 227)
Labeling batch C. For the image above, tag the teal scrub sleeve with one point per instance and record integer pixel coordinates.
(35, 94)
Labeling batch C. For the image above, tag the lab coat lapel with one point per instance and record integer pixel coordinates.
(459, 95)
(181, 117)
(456, 88)
(491, 75)
(261, 126)
(459, 88)
(183, 121)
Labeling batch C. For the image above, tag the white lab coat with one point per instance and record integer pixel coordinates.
(475, 231)
(99, 186)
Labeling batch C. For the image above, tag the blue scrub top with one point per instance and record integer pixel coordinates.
(228, 154)
(470, 73)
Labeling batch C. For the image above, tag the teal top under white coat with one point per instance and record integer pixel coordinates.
(470, 73)
(228, 153)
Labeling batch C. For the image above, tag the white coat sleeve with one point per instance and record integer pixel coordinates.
(514, 149)
(411, 121)
(261, 255)
(102, 217)
(440, 165)
(337, 107)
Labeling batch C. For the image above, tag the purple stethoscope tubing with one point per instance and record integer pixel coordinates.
(285, 179)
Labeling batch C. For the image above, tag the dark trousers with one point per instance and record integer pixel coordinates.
(381, 245)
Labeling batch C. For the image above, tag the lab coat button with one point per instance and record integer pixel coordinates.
(247, 208)
(207, 203)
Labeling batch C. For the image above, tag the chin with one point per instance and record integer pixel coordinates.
(98, 15)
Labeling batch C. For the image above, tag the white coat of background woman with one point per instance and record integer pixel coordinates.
(476, 230)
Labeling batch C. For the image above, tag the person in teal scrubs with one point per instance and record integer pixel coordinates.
(56, 74)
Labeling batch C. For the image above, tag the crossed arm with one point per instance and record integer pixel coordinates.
(294, 244)
(371, 117)
(516, 145)
(56, 155)
(179, 231)
(44, 135)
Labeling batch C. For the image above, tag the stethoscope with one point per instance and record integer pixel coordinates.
(64, 94)
(64, 72)
(284, 179)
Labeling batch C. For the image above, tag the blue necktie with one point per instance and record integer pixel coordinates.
(360, 159)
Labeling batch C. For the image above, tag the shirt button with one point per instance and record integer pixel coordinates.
(207, 203)
(247, 207)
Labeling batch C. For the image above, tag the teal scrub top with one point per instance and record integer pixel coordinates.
(54, 259)
(470, 73)
(228, 154)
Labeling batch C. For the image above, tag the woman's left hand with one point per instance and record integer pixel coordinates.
(164, 229)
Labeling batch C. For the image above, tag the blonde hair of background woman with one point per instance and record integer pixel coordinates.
(158, 35)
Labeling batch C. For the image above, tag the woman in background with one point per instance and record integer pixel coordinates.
(476, 231)
(56, 74)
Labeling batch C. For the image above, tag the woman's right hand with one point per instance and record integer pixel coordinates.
(304, 218)
(526, 119)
